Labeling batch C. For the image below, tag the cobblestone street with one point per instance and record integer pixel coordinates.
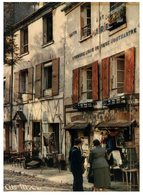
(18, 182)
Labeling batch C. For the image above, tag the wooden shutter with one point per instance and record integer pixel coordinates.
(16, 85)
(55, 76)
(129, 74)
(30, 83)
(7, 90)
(105, 77)
(95, 81)
(38, 81)
(75, 86)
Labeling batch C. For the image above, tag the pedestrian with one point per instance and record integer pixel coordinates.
(101, 171)
(76, 166)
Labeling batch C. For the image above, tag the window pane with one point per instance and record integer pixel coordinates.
(120, 76)
(48, 77)
(89, 95)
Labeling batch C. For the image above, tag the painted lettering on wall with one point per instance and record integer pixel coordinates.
(107, 43)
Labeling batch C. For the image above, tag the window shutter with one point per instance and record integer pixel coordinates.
(129, 75)
(55, 76)
(7, 90)
(75, 86)
(95, 81)
(38, 81)
(105, 77)
(30, 83)
(16, 85)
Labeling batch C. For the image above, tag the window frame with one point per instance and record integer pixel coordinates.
(47, 82)
(117, 16)
(85, 92)
(47, 38)
(86, 19)
(24, 40)
(23, 81)
(114, 72)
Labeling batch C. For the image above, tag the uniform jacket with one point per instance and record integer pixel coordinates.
(76, 161)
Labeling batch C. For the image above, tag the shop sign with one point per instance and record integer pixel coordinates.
(105, 44)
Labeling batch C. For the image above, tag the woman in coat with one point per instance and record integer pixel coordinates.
(100, 167)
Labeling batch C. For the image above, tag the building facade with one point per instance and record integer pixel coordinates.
(102, 74)
(78, 75)
(33, 104)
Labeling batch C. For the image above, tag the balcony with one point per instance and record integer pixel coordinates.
(117, 102)
(84, 106)
(86, 31)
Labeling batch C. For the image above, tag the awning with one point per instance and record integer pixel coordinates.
(77, 126)
(20, 116)
(115, 124)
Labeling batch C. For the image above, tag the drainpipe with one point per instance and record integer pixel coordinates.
(11, 90)
(64, 110)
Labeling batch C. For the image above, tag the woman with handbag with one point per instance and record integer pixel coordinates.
(99, 167)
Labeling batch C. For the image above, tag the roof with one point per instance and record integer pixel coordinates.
(115, 124)
(36, 15)
(77, 126)
(20, 116)
(68, 6)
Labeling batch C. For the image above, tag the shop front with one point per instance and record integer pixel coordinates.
(118, 138)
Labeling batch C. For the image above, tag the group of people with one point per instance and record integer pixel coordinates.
(98, 164)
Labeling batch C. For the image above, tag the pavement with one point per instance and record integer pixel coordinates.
(62, 177)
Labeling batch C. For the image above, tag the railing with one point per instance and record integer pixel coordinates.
(86, 31)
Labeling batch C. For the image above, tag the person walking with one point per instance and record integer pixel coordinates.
(101, 171)
(77, 166)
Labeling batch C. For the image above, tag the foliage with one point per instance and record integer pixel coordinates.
(11, 54)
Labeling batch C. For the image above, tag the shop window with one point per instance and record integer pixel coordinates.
(118, 73)
(54, 138)
(24, 40)
(86, 83)
(23, 81)
(85, 20)
(36, 129)
(117, 15)
(36, 138)
(47, 28)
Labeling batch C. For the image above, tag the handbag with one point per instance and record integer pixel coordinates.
(90, 175)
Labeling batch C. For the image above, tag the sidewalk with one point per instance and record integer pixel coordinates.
(62, 176)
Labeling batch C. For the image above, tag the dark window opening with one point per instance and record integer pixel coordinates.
(48, 77)
(48, 28)
(24, 40)
(36, 129)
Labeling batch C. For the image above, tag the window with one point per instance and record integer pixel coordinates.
(47, 79)
(117, 15)
(85, 20)
(47, 28)
(118, 73)
(24, 40)
(36, 129)
(86, 83)
(47, 76)
(23, 81)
